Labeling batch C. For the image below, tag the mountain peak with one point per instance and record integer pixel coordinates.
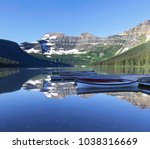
(86, 35)
(136, 36)
(56, 35)
(146, 22)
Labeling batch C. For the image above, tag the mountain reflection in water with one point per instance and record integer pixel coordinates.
(51, 90)
(40, 80)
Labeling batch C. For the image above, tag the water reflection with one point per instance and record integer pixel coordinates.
(39, 80)
(7, 72)
(12, 79)
(59, 90)
(141, 100)
(123, 70)
(50, 89)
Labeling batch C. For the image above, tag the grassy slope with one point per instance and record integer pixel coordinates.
(137, 56)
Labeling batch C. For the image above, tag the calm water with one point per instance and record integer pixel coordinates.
(31, 102)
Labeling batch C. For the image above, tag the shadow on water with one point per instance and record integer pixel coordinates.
(13, 79)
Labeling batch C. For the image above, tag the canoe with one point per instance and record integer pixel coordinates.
(144, 81)
(71, 71)
(70, 76)
(144, 88)
(78, 73)
(105, 83)
(91, 90)
(61, 78)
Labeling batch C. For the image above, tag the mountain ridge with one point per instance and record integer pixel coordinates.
(136, 36)
(59, 43)
(55, 49)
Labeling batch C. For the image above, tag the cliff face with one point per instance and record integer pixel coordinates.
(136, 36)
(59, 43)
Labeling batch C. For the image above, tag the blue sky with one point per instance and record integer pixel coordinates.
(28, 20)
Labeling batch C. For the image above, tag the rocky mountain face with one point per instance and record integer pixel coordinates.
(135, 36)
(59, 43)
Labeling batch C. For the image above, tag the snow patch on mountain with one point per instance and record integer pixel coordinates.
(64, 52)
(32, 50)
(121, 51)
(148, 37)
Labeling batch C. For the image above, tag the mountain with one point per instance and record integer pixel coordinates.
(87, 48)
(137, 56)
(12, 55)
(135, 36)
(75, 50)
(60, 44)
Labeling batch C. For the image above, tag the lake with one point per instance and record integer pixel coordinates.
(31, 102)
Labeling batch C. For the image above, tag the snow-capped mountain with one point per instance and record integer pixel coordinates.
(59, 43)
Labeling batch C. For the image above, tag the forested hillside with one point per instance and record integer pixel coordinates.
(137, 56)
(12, 55)
(92, 55)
